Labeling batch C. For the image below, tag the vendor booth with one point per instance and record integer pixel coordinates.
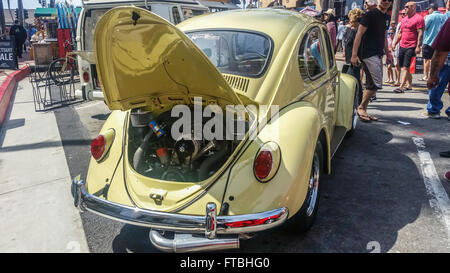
(54, 75)
(56, 33)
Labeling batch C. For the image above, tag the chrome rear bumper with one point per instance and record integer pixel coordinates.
(210, 225)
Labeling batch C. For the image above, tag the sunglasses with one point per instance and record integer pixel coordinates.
(387, 0)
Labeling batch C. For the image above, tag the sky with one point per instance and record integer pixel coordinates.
(32, 4)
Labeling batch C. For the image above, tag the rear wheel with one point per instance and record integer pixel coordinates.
(305, 217)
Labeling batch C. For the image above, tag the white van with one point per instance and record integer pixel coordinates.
(174, 11)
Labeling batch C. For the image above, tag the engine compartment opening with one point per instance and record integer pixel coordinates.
(156, 152)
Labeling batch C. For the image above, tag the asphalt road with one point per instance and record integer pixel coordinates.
(375, 200)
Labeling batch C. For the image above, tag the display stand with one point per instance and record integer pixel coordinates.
(48, 94)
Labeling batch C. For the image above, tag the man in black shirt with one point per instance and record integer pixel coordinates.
(372, 39)
(19, 33)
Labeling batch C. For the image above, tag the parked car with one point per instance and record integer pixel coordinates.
(173, 11)
(199, 194)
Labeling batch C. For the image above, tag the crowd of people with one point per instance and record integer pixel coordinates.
(369, 37)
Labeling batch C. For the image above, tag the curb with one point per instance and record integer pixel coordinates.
(7, 89)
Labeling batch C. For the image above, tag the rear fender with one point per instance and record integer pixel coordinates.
(347, 89)
(299, 126)
(100, 174)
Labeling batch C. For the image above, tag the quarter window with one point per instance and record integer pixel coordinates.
(311, 58)
(176, 16)
(329, 49)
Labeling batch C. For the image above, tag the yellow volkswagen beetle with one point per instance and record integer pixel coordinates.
(221, 126)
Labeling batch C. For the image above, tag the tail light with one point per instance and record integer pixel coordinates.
(255, 222)
(98, 146)
(267, 162)
(263, 164)
(101, 144)
(86, 77)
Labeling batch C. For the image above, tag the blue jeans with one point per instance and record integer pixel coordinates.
(435, 104)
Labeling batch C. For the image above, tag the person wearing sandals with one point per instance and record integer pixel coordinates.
(372, 38)
(354, 16)
(433, 23)
(395, 47)
(389, 61)
(411, 33)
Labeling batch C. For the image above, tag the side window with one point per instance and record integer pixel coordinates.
(311, 55)
(329, 48)
(176, 16)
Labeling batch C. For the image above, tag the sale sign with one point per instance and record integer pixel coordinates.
(8, 59)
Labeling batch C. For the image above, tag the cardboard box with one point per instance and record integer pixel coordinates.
(42, 53)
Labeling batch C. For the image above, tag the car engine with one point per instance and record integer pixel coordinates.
(154, 153)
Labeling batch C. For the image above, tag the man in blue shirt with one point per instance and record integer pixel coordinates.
(433, 23)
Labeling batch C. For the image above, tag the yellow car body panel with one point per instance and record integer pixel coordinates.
(309, 109)
(286, 188)
(101, 172)
(348, 85)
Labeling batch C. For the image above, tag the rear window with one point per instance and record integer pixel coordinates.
(93, 15)
(91, 18)
(235, 52)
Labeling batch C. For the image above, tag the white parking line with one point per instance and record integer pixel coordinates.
(439, 200)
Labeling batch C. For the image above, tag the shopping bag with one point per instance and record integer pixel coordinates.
(412, 67)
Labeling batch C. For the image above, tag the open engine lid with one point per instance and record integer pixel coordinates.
(142, 59)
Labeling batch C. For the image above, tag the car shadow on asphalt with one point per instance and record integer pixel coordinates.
(133, 239)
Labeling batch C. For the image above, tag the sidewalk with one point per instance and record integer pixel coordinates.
(36, 205)
(8, 80)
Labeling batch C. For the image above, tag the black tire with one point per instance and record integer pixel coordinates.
(304, 219)
(61, 72)
(354, 113)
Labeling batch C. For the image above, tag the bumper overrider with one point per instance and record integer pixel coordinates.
(188, 228)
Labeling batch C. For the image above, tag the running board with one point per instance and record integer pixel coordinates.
(338, 136)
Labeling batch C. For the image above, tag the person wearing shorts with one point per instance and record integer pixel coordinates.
(372, 38)
(411, 32)
(368, 49)
(433, 23)
(405, 56)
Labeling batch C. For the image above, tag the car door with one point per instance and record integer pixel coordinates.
(333, 75)
(333, 81)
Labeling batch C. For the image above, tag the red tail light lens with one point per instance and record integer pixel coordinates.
(85, 77)
(263, 164)
(98, 147)
(256, 222)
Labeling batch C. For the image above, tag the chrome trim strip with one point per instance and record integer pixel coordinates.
(171, 221)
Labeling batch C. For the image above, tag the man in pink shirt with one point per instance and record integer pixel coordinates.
(411, 33)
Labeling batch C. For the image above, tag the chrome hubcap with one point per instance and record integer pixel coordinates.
(313, 187)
